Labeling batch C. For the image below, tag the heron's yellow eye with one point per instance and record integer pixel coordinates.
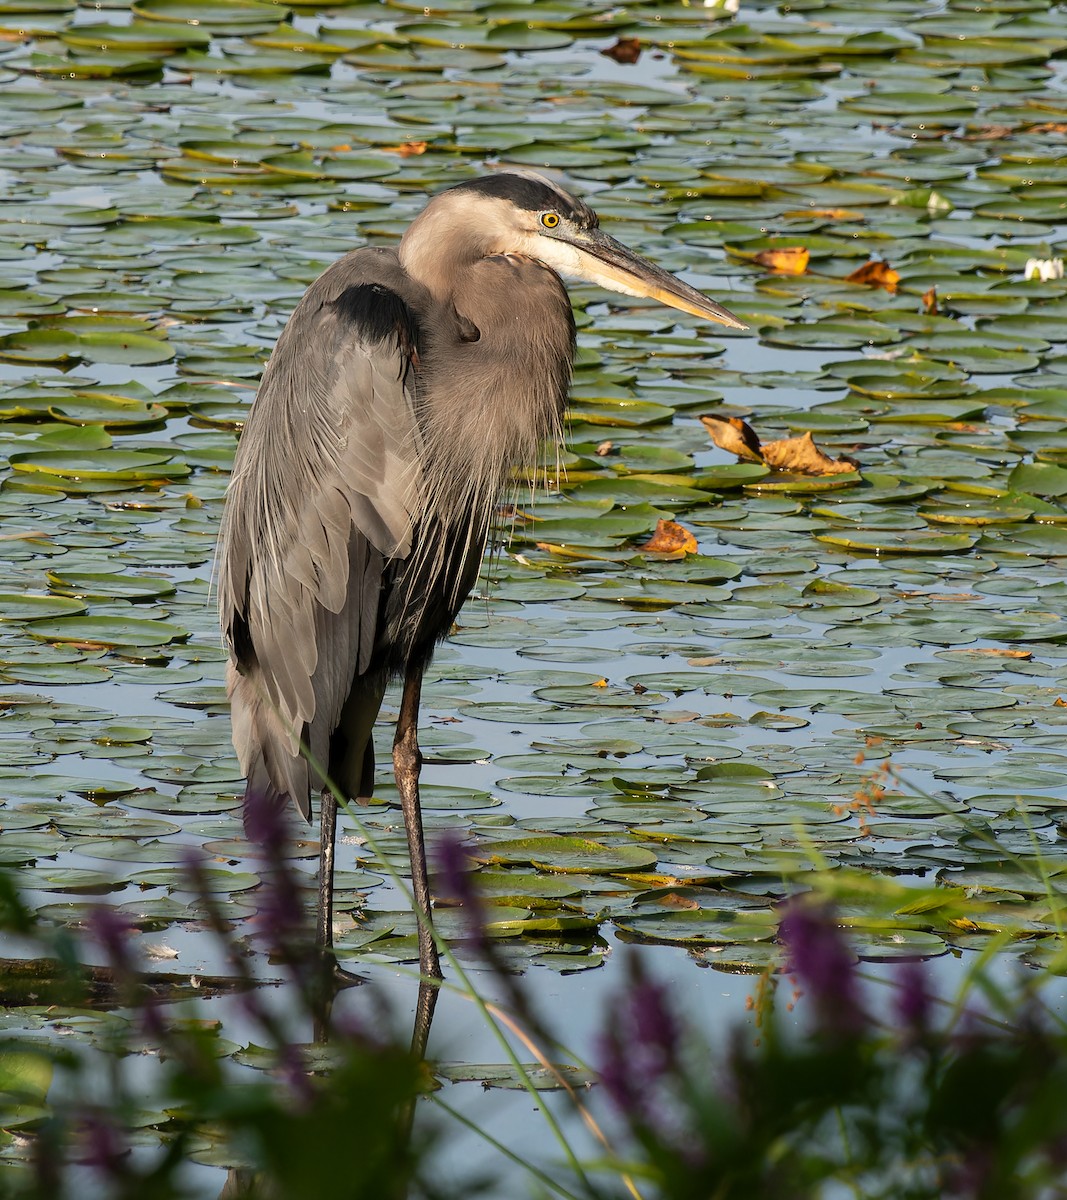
(549, 220)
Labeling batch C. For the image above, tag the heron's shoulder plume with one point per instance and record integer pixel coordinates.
(380, 314)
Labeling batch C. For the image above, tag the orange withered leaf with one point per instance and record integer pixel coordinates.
(406, 149)
(789, 260)
(930, 302)
(670, 538)
(799, 455)
(875, 274)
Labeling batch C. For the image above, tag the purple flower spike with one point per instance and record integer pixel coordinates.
(265, 824)
(456, 885)
(294, 1070)
(102, 1146)
(615, 1076)
(822, 960)
(653, 1023)
(112, 930)
(913, 999)
(639, 1053)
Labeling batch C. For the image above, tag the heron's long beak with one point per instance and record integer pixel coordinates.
(604, 261)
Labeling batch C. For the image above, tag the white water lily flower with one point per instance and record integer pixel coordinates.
(1043, 269)
(730, 6)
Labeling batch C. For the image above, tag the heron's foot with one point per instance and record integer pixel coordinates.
(343, 978)
(332, 978)
(333, 975)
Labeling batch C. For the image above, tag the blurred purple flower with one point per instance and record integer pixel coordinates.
(639, 1052)
(456, 886)
(969, 1176)
(102, 1146)
(653, 1023)
(265, 824)
(822, 960)
(294, 1070)
(913, 1001)
(112, 930)
(281, 913)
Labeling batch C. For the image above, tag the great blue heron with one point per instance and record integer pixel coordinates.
(406, 388)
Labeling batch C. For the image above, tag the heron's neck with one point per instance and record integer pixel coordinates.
(441, 255)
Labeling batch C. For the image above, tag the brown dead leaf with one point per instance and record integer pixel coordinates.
(797, 454)
(734, 436)
(625, 50)
(406, 149)
(605, 448)
(930, 302)
(674, 900)
(789, 260)
(670, 538)
(1059, 702)
(802, 456)
(1049, 127)
(875, 274)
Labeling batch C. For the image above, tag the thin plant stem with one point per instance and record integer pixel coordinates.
(586, 1115)
(536, 1172)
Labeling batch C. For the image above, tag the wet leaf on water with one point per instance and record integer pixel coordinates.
(875, 273)
(798, 455)
(788, 260)
(670, 538)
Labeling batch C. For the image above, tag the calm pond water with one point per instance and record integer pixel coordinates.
(173, 179)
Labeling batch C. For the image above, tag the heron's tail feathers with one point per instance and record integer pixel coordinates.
(269, 752)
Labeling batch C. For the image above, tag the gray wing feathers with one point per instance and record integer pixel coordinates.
(325, 490)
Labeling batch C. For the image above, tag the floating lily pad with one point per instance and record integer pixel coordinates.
(109, 631)
(566, 854)
(25, 606)
(917, 541)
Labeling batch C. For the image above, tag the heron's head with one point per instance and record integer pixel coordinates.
(521, 212)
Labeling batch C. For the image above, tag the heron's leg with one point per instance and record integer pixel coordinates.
(407, 761)
(327, 835)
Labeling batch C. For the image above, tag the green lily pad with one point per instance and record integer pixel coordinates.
(566, 854)
(25, 606)
(917, 541)
(109, 631)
